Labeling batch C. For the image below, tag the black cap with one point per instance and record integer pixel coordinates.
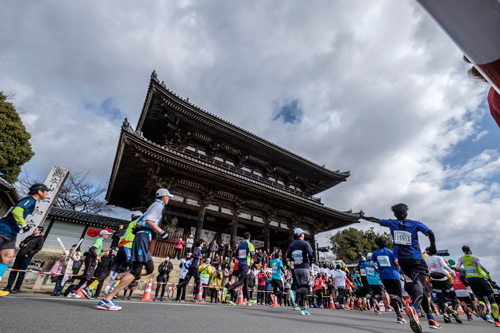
(39, 186)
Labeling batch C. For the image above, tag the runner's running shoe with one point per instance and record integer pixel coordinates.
(231, 303)
(422, 314)
(377, 312)
(251, 302)
(488, 319)
(399, 320)
(86, 291)
(497, 323)
(111, 282)
(302, 312)
(307, 312)
(109, 305)
(296, 308)
(3, 293)
(446, 318)
(455, 315)
(482, 311)
(413, 316)
(434, 324)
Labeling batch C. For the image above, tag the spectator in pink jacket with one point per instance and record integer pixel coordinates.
(178, 248)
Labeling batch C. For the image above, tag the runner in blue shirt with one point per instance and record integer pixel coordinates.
(376, 290)
(407, 251)
(388, 270)
(277, 283)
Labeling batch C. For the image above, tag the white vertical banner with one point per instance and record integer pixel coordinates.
(55, 180)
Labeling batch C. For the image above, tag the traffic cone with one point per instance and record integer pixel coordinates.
(79, 291)
(332, 306)
(147, 293)
(240, 297)
(200, 295)
(219, 296)
(245, 302)
(276, 304)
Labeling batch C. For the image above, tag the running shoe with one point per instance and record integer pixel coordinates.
(4, 293)
(155, 299)
(182, 301)
(337, 306)
(111, 283)
(109, 305)
(86, 291)
(161, 299)
(422, 314)
(488, 319)
(224, 294)
(455, 315)
(481, 311)
(302, 312)
(296, 308)
(446, 318)
(307, 312)
(272, 305)
(231, 303)
(377, 312)
(414, 321)
(399, 320)
(433, 324)
(251, 302)
(497, 323)
(469, 317)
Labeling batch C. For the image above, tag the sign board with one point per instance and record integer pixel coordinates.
(55, 180)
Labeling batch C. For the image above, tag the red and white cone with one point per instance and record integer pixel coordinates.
(199, 297)
(332, 305)
(147, 293)
(240, 297)
(79, 291)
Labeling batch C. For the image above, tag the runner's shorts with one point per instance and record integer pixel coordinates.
(140, 247)
(7, 243)
(393, 287)
(481, 287)
(241, 272)
(377, 290)
(303, 276)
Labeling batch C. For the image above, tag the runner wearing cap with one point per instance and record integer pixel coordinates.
(91, 259)
(244, 251)
(145, 230)
(15, 221)
(300, 254)
(407, 251)
(479, 281)
(124, 254)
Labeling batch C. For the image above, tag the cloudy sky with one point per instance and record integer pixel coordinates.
(371, 87)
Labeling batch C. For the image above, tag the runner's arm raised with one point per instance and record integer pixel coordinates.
(367, 218)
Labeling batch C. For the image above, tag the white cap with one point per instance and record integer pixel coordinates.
(104, 232)
(208, 260)
(167, 258)
(369, 255)
(136, 213)
(163, 192)
(298, 232)
(191, 236)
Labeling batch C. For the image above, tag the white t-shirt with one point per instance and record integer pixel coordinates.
(436, 264)
(340, 278)
(154, 213)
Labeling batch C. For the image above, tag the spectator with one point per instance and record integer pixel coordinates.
(259, 256)
(28, 248)
(225, 263)
(189, 244)
(213, 248)
(225, 275)
(261, 286)
(204, 249)
(215, 283)
(91, 258)
(163, 275)
(222, 250)
(178, 248)
(216, 260)
(184, 266)
(205, 271)
(67, 269)
(117, 236)
(269, 288)
(103, 269)
(251, 283)
(287, 285)
(265, 258)
(228, 251)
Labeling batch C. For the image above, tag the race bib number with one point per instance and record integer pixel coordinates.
(470, 270)
(242, 254)
(318, 283)
(275, 270)
(402, 237)
(433, 267)
(383, 261)
(362, 272)
(370, 271)
(297, 257)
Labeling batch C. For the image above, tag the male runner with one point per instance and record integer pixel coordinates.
(244, 251)
(193, 270)
(340, 278)
(440, 278)
(407, 251)
(388, 270)
(145, 230)
(373, 278)
(277, 268)
(15, 221)
(300, 254)
(122, 259)
(463, 294)
(479, 277)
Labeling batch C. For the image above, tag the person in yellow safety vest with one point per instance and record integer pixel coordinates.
(205, 271)
(479, 281)
(215, 283)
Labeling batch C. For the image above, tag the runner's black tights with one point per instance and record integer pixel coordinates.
(243, 281)
(418, 296)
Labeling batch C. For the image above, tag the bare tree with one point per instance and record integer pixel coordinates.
(79, 192)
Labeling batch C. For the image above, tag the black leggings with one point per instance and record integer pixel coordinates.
(163, 285)
(416, 269)
(137, 268)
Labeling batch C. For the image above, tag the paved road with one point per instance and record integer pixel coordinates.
(23, 313)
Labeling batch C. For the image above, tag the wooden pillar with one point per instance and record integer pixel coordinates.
(313, 245)
(199, 223)
(266, 236)
(84, 231)
(234, 229)
(47, 231)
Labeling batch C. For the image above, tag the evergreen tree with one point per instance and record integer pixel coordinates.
(15, 148)
(346, 244)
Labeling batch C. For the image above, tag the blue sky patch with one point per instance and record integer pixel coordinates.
(288, 111)
(107, 109)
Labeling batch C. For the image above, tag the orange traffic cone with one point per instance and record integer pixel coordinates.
(332, 306)
(240, 297)
(147, 293)
(79, 291)
(245, 302)
(276, 304)
(199, 297)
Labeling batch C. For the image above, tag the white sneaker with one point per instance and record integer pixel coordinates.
(109, 305)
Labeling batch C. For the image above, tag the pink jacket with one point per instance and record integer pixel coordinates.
(179, 244)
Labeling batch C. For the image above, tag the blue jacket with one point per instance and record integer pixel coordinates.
(268, 284)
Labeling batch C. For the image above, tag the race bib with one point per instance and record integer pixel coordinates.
(370, 271)
(383, 261)
(402, 237)
(297, 257)
(470, 270)
(407, 279)
(242, 254)
(362, 272)
(275, 269)
(433, 267)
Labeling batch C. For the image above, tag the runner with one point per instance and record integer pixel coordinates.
(318, 288)
(479, 277)
(145, 230)
(15, 221)
(388, 270)
(375, 283)
(244, 251)
(407, 251)
(193, 270)
(277, 269)
(300, 254)
(441, 280)
(340, 278)
(462, 294)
